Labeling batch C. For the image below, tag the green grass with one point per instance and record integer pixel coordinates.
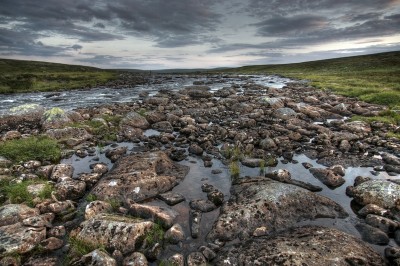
(26, 76)
(101, 130)
(80, 247)
(18, 193)
(155, 235)
(388, 117)
(372, 78)
(39, 148)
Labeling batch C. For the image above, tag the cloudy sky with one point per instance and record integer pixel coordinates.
(159, 34)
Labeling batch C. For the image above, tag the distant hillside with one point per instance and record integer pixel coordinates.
(25, 76)
(373, 78)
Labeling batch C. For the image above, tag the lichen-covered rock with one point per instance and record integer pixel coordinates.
(175, 234)
(284, 113)
(115, 232)
(197, 91)
(14, 213)
(136, 259)
(17, 238)
(260, 201)
(328, 177)
(98, 257)
(139, 177)
(357, 127)
(383, 193)
(196, 259)
(97, 207)
(308, 245)
(274, 103)
(71, 136)
(61, 170)
(55, 118)
(70, 188)
(164, 216)
(135, 120)
(29, 108)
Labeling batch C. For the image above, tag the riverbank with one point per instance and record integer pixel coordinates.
(202, 175)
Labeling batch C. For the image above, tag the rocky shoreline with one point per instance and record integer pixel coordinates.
(114, 208)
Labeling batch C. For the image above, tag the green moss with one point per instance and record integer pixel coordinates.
(91, 197)
(155, 235)
(80, 247)
(40, 148)
(53, 113)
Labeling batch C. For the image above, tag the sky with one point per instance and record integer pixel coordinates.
(165, 34)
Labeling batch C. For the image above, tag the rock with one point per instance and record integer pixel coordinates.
(356, 127)
(195, 149)
(216, 197)
(196, 259)
(383, 193)
(58, 207)
(338, 169)
(25, 109)
(116, 153)
(157, 214)
(52, 243)
(98, 257)
(135, 259)
(99, 168)
(252, 162)
(195, 222)
(154, 117)
(308, 245)
(12, 134)
(72, 136)
(43, 220)
(344, 145)
(207, 253)
(89, 179)
(56, 231)
(176, 260)
(307, 165)
(171, 198)
(160, 101)
(115, 232)
(4, 163)
(130, 133)
(175, 234)
(69, 188)
(178, 155)
(385, 224)
(390, 159)
(274, 103)
(361, 179)
(163, 126)
(17, 238)
(10, 261)
(260, 231)
(197, 92)
(268, 144)
(135, 120)
(372, 209)
(328, 177)
(97, 207)
(45, 171)
(202, 205)
(216, 171)
(55, 118)
(14, 213)
(260, 201)
(372, 235)
(61, 170)
(284, 176)
(139, 177)
(284, 113)
(43, 260)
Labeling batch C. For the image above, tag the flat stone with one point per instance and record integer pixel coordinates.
(202, 205)
(372, 235)
(171, 198)
(310, 245)
(97, 207)
(164, 216)
(328, 177)
(260, 201)
(139, 177)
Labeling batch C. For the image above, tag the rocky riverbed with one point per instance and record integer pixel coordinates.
(223, 170)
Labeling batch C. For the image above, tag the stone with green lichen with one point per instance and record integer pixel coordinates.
(383, 193)
(29, 108)
(55, 118)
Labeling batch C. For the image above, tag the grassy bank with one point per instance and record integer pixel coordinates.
(371, 78)
(26, 76)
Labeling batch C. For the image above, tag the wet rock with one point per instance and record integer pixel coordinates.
(139, 177)
(216, 197)
(356, 127)
(197, 92)
(338, 169)
(171, 198)
(361, 179)
(116, 153)
(163, 126)
(284, 113)
(10, 261)
(390, 159)
(268, 144)
(115, 232)
(372, 209)
(55, 118)
(395, 169)
(61, 170)
(392, 253)
(52, 243)
(72, 136)
(45, 171)
(379, 192)
(49, 260)
(208, 164)
(98, 257)
(97, 207)
(58, 207)
(252, 162)
(260, 201)
(17, 238)
(196, 259)
(195, 149)
(175, 234)
(177, 260)
(322, 246)
(154, 117)
(274, 103)
(89, 179)
(208, 253)
(164, 216)
(135, 120)
(56, 231)
(385, 224)
(14, 213)
(260, 231)
(99, 168)
(307, 165)
(70, 188)
(160, 101)
(328, 177)
(202, 205)
(195, 222)
(216, 171)
(135, 259)
(131, 133)
(284, 176)
(372, 235)
(178, 155)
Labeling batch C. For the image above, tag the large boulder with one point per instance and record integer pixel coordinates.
(139, 177)
(72, 136)
(115, 232)
(261, 202)
(55, 118)
(309, 245)
(383, 193)
(14, 213)
(197, 91)
(135, 120)
(17, 238)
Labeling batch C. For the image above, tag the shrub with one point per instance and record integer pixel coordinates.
(40, 148)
